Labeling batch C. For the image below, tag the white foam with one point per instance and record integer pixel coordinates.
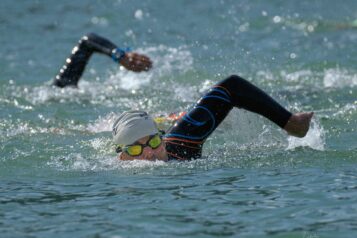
(337, 78)
(297, 76)
(142, 164)
(21, 128)
(76, 161)
(185, 94)
(315, 138)
(329, 78)
(102, 124)
(43, 94)
(10, 128)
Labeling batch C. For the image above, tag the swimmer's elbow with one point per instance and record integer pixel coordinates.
(89, 36)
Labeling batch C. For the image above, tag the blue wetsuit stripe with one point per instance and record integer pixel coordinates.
(212, 123)
(228, 101)
(220, 91)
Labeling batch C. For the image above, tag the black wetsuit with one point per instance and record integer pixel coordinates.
(184, 140)
(72, 70)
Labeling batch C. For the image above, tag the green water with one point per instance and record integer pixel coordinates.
(59, 175)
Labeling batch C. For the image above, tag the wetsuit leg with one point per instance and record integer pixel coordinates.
(185, 139)
(72, 71)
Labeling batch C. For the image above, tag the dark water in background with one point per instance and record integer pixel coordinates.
(59, 175)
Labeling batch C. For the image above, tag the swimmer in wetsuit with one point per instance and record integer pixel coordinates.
(135, 133)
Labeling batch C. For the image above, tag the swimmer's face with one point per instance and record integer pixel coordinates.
(148, 153)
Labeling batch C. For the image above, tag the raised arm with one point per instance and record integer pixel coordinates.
(185, 139)
(72, 70)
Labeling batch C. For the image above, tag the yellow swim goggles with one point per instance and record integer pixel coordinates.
(137, 149)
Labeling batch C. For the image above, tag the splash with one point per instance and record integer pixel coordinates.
(307, 78)
(80, 162)
(71, 162)
(13, 128)
(314, 139)
(297, 76)
(102, 124)
(45, 93)
(140, 164)
(348, 110)
(166, 61)
(338, 78)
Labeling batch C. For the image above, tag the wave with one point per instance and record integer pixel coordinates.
(331, 78)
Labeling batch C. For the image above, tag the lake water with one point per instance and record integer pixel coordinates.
(58, 169)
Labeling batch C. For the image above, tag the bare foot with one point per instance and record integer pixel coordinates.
(298, 124)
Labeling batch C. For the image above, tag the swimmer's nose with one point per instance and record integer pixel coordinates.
(149, 153)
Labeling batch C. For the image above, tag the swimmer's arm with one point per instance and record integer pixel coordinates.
(74, 66)
(130, 60)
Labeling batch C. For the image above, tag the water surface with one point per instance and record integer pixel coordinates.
(59, 174)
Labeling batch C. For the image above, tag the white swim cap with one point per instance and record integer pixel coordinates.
(131, 126)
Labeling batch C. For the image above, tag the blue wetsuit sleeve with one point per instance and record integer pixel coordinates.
(72, 70)
(185, 139)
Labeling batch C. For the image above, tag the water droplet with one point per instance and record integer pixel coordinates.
(310, 28)
(292, 56)
(138, 14)
(276, 19)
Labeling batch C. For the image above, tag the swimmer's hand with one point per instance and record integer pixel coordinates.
(136, 62)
